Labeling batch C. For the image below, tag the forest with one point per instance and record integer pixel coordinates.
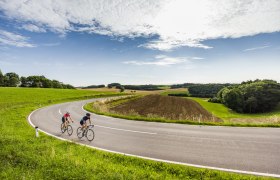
(257, 96)
(12, 79)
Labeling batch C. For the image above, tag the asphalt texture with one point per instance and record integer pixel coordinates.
(236, 148)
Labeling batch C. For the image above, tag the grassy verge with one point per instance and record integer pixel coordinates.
(229, 116)
(22, 156)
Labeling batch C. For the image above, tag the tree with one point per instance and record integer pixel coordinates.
(68, 86)
(11, 79)
(117, 85)
(251, 105)
(46, 83)
(1, 79)
(122, 89)
(252, 96)
(222, 93)
(94, 86)
(234, 100)
(56, 84)
(23, 82)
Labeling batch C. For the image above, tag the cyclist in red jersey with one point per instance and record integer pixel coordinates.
(65, 119)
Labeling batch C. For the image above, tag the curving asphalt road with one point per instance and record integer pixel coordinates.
(245, 150)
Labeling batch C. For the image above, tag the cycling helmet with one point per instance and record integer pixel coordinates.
(67, 112)
(87, 114)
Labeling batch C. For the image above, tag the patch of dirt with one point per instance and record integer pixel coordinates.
(167, 107)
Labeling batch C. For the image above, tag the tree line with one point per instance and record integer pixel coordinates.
(185, 85)
(205, 90)
(202, 90)
(250, 97)
(194, 89)
(94, 86)
(135, 87)
(12, 79)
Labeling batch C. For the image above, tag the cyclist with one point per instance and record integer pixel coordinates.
(65, 119)
(84, 120)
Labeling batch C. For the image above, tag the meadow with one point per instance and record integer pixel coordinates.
(230, 117)
(23, 156)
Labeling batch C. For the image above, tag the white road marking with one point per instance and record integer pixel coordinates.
(59, 112)
(143, 132)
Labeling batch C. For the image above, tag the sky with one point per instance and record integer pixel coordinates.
(90, 42)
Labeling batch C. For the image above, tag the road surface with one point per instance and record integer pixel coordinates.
(237, 149)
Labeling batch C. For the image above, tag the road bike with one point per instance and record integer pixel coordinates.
(88, 132)
(67, 128)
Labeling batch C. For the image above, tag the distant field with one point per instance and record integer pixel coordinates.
(126, 91)
(165, 91)
(229, 116)
(165, 107)
(155, 107)
(180, 91)
(22, 156)
(164, 111)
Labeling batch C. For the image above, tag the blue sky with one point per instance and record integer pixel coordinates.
(141, 42)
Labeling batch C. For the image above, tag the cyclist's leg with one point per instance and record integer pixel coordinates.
(82, 124)
(66, 123)
(63, 121)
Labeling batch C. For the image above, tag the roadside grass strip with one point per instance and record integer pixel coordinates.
(231, 118)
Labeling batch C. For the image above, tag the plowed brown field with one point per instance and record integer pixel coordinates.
(175, 108)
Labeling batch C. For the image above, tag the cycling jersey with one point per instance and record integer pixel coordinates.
(84, 119)
(64, 117)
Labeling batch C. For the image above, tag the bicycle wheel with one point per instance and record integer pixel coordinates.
(90, 134)
(69, 130)
(80, 132)
(63, 129)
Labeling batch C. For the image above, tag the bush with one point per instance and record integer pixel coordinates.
(214, 100)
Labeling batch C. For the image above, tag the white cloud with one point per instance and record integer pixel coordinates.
(12, 39)
(176, 23)
(160, 60)
(33, 28)
(198, 58)
(256, 48)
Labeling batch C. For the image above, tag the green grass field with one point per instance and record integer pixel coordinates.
(23, 156)
(221, 111)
